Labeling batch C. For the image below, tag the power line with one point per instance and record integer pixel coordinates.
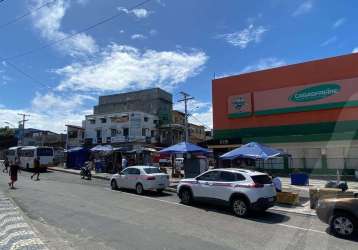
(16, 19)
(54, 42)
(12, 65)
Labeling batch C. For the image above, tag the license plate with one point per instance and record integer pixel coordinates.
(270, 199)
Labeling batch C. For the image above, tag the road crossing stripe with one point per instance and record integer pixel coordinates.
(13, 226)
(27, 243)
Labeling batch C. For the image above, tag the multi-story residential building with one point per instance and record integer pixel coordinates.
(121, 128)
(75, 136)
(196, 133)
(132, 118)
(153, 101)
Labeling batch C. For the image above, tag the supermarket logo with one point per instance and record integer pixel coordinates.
(239, 103)
(315, 93)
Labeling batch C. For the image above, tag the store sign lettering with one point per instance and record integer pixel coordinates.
(315, 93)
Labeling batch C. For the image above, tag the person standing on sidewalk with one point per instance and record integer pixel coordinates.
(6, 165)
(14, 168)
(124, 163)
(36, 169)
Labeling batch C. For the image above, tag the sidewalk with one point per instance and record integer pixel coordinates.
(15, 232)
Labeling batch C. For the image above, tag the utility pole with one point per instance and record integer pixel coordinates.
(186, 98)
(23, 126)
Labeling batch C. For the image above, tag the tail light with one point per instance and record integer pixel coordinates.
(256, 185)
(150, 178)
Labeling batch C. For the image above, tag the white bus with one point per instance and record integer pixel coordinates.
(12, 153)
(29, 153)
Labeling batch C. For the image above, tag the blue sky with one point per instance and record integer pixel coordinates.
(176, 45)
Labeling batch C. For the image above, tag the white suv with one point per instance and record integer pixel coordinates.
(242, 189)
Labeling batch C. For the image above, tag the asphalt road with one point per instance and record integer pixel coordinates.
(70, 213)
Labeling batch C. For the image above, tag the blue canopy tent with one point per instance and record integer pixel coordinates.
(184, 147)
(192, 167)
(253, 150)
(76, 157)
(102, 148)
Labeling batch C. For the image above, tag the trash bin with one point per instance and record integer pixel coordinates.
(299, 179)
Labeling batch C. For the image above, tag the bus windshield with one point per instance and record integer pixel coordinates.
(44, 152)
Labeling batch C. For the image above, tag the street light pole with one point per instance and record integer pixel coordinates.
(23, 126)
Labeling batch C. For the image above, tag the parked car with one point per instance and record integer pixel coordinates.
(243, 190)
(341, 214)
(141, 178)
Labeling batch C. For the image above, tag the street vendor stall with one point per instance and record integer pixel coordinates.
(195, 161)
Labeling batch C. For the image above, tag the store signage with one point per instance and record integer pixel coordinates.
(239, 105)
(315, 93)
(329, 95)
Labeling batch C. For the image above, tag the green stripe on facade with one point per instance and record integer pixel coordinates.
(239, 115)
(312, 130)
(308, 108)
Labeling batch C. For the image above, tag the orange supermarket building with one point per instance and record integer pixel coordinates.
(308, 109)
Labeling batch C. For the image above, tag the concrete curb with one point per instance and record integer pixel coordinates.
(75, 173)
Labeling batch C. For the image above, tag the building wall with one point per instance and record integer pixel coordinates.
(75, 137)
(152, 101)
(321, 71)
(196, 133)
(141, 127)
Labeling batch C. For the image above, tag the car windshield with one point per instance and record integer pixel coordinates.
(152, 170)
(261, 179)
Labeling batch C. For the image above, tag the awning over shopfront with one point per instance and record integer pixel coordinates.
(253, 150)
(102, 148)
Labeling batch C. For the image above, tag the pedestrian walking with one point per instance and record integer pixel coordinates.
(6, 165)
(36, 169)
(277, 183)
(124, 163)
(14, 169)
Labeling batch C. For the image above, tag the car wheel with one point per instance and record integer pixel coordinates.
(343, 225)
(114, 185)
(240, 207)
(186, 196)
(139, 188)
(160, 191)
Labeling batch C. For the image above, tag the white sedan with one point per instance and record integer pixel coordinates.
(140, 178)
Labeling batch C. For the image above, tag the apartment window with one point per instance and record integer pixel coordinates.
(143, 132)
(92, 121)
(125, 131)
(113, 132)
(146, 119)
(103, 120)
(152, 133)
(155, 121)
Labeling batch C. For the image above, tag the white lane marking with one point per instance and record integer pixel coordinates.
(179, 204)
(149, 198)
(301, 228)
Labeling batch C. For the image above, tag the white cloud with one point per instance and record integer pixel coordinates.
(242, 38)
(264, 63)
(200, 112)
(204, 118)
(355, 50)
(139, 13)
(329, 41)
(339, 22)
(50, 112)
(48, 22)
(138, 37)
(122, 67)
(303, 8)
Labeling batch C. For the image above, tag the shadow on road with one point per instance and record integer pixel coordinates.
(353, 239)
(147, 193)
(263, 217)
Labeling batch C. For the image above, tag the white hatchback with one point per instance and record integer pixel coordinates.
(242, 189)
(141, 178)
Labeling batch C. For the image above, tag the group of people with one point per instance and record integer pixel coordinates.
(13, 168)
